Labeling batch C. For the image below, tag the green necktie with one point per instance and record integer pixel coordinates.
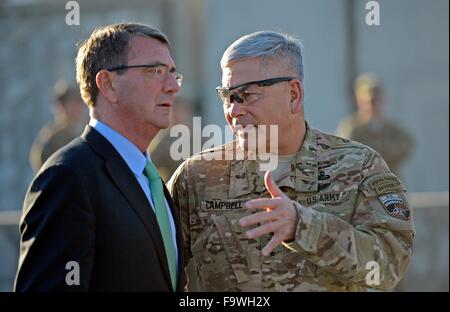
(162, 216)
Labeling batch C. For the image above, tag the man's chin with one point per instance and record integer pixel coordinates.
(163, 124)
(246, 145)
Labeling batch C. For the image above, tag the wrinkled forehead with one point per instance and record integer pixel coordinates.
(251, 69)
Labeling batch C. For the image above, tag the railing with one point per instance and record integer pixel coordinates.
(10, 217)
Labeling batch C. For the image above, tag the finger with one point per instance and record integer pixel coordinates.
(262, 203)
(256, 218)
(266, 228)
(271, 245)
(271, 187)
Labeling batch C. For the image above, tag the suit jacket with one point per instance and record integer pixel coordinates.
(86, 213)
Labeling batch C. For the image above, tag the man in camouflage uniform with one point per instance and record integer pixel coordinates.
(328, 218)
(369, 126)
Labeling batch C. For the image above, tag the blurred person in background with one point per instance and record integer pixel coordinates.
(70, 117)
(159, 149)
(370, 126)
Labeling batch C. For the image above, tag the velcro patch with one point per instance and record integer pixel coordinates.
(395, 206)
(218, 204)
(386, 184)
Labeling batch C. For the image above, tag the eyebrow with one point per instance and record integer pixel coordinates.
(157, 63)
(171, 69)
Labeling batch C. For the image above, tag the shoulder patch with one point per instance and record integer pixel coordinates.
(395, 206)
(383, 184)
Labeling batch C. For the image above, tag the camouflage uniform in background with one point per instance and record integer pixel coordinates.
(351, 210)
(159, 151)
(392, 142)
(50, 139)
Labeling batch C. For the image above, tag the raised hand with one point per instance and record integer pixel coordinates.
(278, 216)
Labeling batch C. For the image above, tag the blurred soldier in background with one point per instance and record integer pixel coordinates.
(369, 125)
(70, 116)
(159, 149)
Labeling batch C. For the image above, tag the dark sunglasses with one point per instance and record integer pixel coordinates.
(228, 96)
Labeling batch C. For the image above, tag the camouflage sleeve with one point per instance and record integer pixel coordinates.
(379, 236)
(178, 189)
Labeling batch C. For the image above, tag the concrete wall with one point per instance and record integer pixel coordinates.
(409, 51)
(428, 270)
(9, 254)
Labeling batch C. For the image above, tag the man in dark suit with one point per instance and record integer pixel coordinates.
(97, 216)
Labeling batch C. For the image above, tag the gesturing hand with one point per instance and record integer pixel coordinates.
(279, 216)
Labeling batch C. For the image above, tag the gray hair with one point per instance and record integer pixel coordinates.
(267, 45)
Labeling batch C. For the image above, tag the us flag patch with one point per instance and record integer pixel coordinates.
(395, 206)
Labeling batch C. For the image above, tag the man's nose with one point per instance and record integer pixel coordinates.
(171, 84)
(237, 110)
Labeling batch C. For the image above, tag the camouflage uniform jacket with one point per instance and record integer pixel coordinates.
(51, 138)
(389, 139)
(351, 209)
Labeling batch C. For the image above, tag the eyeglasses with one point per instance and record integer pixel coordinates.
(242, 91)
(158, 70)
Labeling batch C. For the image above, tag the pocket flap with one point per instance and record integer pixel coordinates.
(233, 248)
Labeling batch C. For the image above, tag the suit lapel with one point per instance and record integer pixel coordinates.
(125, 180)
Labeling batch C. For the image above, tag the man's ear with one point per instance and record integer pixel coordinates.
(296, 92)
(106, 86)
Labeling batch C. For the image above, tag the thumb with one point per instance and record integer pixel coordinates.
(271, 187)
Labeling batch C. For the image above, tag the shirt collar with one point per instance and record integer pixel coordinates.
(132, 156)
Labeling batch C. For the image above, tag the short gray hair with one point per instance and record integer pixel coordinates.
(267, 45)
